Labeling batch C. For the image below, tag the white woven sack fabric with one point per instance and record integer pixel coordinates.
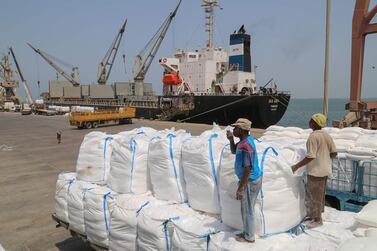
(367, 141)
(359, 244)
(123, 219)
(155, 228)
(282, 192)
(75, 202)
(63, 184)
(368, 215)
(194, 233)
(343, 176)
(165, 167)
(93, 162)
(98, 204)
(129, 172)
(226, 241)
(200, 160)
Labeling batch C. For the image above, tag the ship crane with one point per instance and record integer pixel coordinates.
(105, 66)
(73, 78)
(142, 62)
(24, 83)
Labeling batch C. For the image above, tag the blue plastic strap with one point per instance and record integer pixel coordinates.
(261, 189)
(211, 157)
(70, 182)
(108, 138)
(133, 146)
(104, 210)
(170, 137)
(141, 207)
(167, 242)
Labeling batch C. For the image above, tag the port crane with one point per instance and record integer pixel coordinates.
(105, 66)
(73, 78)
(7, 84)
(361, 113)
(29, 98)
(142, 62)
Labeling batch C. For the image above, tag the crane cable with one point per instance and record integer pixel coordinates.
(38, 80)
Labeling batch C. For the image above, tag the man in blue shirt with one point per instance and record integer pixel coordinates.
(249, 174)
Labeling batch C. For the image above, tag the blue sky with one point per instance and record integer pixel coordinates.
(288, 38)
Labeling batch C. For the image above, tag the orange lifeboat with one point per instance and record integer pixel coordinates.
(171, 79)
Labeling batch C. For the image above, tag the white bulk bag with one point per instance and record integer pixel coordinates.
(165, 167)
(155, 228)
(98, 204)
(367, 141)
(343, 176)
(129, 173)
(194, 233)
(123, 219)
(226, 241)
(75, 202)
(281, 193)
(367, 215)
(63, 184)
(359, 244)
(93, 162)
(200, 160)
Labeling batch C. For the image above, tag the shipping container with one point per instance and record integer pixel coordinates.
(71, 92)
(101, 91)
(55, 88)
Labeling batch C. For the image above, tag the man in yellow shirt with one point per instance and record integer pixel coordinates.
(320, 150)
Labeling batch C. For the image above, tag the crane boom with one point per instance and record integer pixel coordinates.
(108, 60)
(142, 65)
(24, 83)
(56, 67)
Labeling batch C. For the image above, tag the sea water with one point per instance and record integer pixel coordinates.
(300, 110)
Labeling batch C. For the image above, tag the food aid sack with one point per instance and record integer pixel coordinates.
(282, 192)
(226, 241)
(98, 204)
(194, 233)
(165, 167)
(123, 219)
(200, 160)
(93, 162)
(155, 225)
(63, 185)
(367, 215)
(129, 172)
(75, 202)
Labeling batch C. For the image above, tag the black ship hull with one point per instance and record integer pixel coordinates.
(262, 109)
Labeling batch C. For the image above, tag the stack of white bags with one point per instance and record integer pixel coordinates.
(167, 190)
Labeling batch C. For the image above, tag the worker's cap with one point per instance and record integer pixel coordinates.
(244, 124)
(320, 119)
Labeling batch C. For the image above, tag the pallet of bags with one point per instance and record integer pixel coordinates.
(200, 160)
(63, 184)
(93, 162)
(98, 204)
(75, 203)
(282, 192)
(123, 219)
(165, 167)
(155, 225)
(129, 173)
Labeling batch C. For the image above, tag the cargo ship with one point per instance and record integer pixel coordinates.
(207, 85)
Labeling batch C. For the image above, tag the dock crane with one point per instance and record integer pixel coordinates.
(143, 63)
(24, 83)
(8, 86)
(361, 113)
(105, 66)
(73, 78)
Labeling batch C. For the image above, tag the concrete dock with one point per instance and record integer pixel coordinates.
(30, 161)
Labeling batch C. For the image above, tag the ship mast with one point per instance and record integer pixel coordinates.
(209, 9)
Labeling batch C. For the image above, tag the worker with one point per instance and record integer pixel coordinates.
(249, 175)
(320, 150)
(59, 136)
